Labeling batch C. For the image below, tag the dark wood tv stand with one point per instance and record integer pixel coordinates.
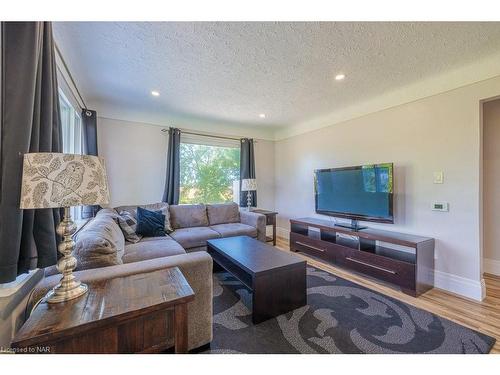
(409, 264)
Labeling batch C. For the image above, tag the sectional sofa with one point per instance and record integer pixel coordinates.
(102, 252)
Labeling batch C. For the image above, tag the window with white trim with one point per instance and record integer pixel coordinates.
(72, 136)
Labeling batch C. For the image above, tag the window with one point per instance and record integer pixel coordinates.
(209, 170)
(72, 136)
(71, 127)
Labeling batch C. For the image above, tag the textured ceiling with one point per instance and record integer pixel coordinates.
(232, 72)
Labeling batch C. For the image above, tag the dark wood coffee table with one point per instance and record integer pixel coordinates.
(119, 315)
(277, 279)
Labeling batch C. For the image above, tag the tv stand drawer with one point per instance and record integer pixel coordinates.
(382, 268)
(311, 246)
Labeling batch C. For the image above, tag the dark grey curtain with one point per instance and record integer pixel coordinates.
(247, 169)
(30, 122)
(89, 127)
(172, 180)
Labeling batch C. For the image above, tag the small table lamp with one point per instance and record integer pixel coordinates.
(249, 185)
(54, 180)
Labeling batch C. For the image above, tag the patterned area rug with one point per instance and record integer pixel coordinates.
(341, 317)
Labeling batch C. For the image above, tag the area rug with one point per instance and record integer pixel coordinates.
(340, 317)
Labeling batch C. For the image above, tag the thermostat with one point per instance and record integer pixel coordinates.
(440, 206)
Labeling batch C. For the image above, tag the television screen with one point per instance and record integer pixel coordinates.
(358, 193)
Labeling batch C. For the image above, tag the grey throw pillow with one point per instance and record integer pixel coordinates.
(128, 225)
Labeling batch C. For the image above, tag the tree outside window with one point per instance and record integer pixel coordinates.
(207, 173)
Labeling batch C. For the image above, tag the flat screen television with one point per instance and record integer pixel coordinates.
(358, 193)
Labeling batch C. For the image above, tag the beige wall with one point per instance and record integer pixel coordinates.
(135, 156)
(491, 184)
(438, 133)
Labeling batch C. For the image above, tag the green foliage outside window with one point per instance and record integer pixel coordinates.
(377, 178)
(207, 173)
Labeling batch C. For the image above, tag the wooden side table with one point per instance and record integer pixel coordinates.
(120, 315)
(270, 220)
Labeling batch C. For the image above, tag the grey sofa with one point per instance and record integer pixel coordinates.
(102, 253)
(194, 224)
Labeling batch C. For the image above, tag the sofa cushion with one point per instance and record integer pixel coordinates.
(223, 213)
(151, 248)
(128, 225)
(160, 206)
(100, 243)
(193, 237)
(188, 216)
(235, 229)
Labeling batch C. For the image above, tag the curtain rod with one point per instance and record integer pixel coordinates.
(69, 74)
(205, 135)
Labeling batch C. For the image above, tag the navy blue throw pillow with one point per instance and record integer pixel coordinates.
(150, 223)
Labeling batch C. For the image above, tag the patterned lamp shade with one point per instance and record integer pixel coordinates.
(249, 184)
(52, 180)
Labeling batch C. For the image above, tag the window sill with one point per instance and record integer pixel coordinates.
(11, 294)
(9, 289)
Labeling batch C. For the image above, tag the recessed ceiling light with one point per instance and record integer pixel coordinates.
(155, 93)
(339, 77)
(262, 115)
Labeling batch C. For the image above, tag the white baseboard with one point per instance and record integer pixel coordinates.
(491, 266)
(474, 289)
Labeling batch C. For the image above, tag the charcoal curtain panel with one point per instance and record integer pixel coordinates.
(30, 122)
(89, 124)
(172, 180)
(247, 169)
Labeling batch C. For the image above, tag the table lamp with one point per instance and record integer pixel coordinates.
(55, 180)
(249, 185)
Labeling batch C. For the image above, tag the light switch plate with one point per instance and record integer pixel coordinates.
(438, 177)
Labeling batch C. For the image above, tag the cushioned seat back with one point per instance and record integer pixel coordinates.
(223, 213)
(188, 216)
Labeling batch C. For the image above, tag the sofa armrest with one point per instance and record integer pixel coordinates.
(255, 220)
(196, 268)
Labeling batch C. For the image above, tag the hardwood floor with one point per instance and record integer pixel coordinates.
(482, 316)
